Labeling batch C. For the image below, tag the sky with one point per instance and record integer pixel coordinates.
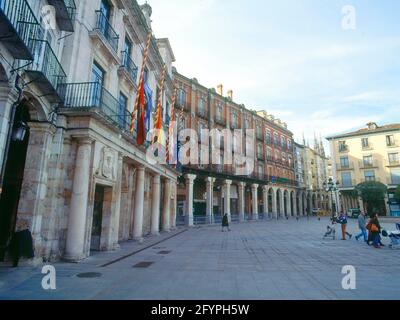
(318, 68)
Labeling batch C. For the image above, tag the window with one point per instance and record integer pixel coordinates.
(234, 119)
(369, 175)
(219, 111)
(123, 106)
(346, 179)
(395, 175)
(289, 144)
(97, 73)
(393, 158)
(269, 153)
(247, 123)
(276, 142)
(290, 160)
(127, 53)
(342, 146)
(390, 141)
(202, 106)
(283, 157)
(365, 143)
(283, 142)
(367, 161)
(95, 89)
(344, 162)
(268, 136)
(181, 98)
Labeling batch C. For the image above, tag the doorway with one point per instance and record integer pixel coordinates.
(13, 176)
(101, 214)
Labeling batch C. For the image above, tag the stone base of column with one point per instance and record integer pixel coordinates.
(138, 239)
(155, 234)
(255, 216)
(73, 258)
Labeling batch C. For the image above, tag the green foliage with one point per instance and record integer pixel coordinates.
(397, 193)
(372, 194)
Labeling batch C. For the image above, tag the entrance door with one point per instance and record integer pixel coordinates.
(13, 177)
(97, 218)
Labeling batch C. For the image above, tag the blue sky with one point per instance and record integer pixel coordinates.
(292, 58)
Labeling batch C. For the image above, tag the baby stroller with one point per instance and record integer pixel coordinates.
(394, 237)
(330, 230)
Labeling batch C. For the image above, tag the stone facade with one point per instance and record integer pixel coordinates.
(85, 185)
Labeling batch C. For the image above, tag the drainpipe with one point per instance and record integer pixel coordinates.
(10, 130)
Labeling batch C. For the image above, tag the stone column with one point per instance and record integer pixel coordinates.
(361, 203)
(174, 204)
(139, 199)
(282, 202)
(265, 200)
(189, 199)
(289, 203)
(241, 188)
(74, 249)
(294, 212)
(118, 195)
(227, 199)
(155, 206)
(7, 99)
(301, 212)
(254, 191)
(274, 203)
(387, 205)
(210, 199)
(167, 206)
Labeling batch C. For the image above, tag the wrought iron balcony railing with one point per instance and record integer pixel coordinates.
(345, 166)
(18, 26)
(46, 70)
(129, 66)
(105, 28)
(92, 96)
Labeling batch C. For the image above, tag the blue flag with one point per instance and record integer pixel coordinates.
(149, 99)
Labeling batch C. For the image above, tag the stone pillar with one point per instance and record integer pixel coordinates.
(189, 199)
(7, 98)
(139, 199)
(118, 196)
(275, 203)
(74, 249)
(167, 206)
(282, 203)
(174, 205)
(210, 199)
(265, 200)
(227, 199)
(155, 206)
(294, 212)
(361, 203)
(301, 212)
(254, 191)
(241, 188)
(387, 205)
(289, 203)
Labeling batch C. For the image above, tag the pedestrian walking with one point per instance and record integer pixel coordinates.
(362, 227)
(343, 221)
(375, 232)
(225, 222)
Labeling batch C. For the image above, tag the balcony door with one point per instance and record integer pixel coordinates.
(105, 13)
(97, 85)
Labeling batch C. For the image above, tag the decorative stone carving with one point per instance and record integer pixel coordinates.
(107, 163)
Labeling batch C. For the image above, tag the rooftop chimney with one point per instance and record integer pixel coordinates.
(220, 89)
(230, 95)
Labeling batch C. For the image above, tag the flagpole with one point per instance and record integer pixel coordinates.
(141, 80)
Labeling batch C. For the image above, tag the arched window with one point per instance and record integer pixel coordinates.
(181, 98)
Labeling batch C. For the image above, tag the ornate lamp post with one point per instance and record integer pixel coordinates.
(332, 187)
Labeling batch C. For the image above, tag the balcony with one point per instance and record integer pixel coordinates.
(368, 164)
(65, 13)
(344, 166)
(46, 71)
(18, 26)
(128, 68)
(343, 148)
(393, 163)
(104, 32)
(92, 97)
(202, 113)
(220, 120)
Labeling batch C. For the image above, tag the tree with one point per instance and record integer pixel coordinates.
(397, 193)
(373, 194)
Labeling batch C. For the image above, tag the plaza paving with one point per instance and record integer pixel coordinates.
(256, 260)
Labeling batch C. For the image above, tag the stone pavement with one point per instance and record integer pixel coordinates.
(256, 260)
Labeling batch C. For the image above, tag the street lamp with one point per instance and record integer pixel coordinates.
(331, 186)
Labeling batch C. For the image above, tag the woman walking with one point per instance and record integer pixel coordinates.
(343, 221)
(225, 222)
(375, 232)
